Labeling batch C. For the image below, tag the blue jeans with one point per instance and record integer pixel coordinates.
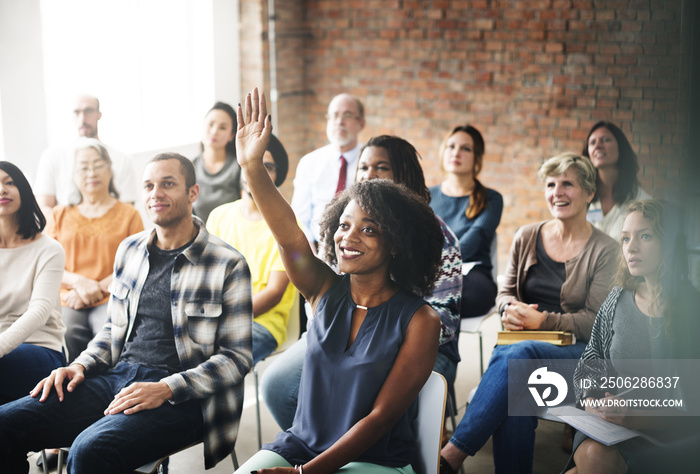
(24, 367)
(264, 343)
(281, 379)
(280, 383)
(487, 414)
(105, 444)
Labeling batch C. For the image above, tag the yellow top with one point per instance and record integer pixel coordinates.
(255, 241)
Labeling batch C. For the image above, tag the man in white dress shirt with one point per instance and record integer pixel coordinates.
(54, 178)
(325, 171)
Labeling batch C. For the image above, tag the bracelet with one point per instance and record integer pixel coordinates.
(298, 467)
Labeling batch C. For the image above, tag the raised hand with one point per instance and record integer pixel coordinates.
(254, 129)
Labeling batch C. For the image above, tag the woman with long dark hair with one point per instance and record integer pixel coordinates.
(31, 330)
(616, 177)
(472, 211)
(218, 172)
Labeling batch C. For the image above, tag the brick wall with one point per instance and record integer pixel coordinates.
(532, 75)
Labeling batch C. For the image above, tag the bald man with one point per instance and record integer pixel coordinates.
(325, 171)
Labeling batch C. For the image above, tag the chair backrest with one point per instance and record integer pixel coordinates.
(494, 257)
(429, 423)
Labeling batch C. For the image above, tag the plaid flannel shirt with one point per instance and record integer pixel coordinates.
(212, 316)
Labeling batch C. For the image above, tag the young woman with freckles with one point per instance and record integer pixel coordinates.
(373, 341)
(643, 319)
(558, 275)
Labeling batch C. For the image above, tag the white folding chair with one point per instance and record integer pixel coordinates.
(473, 325)
(429, 422)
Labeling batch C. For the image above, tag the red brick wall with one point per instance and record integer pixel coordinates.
(532, 75)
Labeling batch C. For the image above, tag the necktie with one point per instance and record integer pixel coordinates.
(342, 176)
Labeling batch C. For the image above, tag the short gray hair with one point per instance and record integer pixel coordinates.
(560, 164)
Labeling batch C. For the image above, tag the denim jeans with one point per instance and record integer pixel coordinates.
(105, 444)
(264, 343)
(487, 414)
(22, 368)
(280, 383)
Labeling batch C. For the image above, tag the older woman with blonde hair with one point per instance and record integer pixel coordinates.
(558, 275)
(90, 230)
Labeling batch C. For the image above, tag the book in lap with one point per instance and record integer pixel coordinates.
(558, 338)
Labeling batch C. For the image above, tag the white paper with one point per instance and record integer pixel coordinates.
(595, 427)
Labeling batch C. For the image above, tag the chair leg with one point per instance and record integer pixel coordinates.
(234, 459)
(481, 353)
(451, 408)
(61, 460)
(44, 464)
(257, 406)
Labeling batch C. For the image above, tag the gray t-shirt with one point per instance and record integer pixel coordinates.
(218, 188)
(152, 341)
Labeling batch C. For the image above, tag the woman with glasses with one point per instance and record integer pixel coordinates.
(90, 230)
(31, 330)
(241, 225)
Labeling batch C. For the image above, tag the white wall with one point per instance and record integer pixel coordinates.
(23, 133)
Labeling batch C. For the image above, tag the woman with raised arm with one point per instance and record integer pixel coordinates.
(646, 317)
(31, 330)
(472, 211)
(558, 275)
(383, 157)
(616, 177)
(373, 342)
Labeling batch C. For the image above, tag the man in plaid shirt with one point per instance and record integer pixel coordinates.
(167, 369)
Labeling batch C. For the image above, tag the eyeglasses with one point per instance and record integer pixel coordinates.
(270, 167)
(97, 168)
(344, 117)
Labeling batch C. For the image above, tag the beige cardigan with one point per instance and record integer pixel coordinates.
(588, 280)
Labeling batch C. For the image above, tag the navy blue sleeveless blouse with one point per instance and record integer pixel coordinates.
(338, 387)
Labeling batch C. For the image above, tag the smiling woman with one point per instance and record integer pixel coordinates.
(370, 324)
(558, 275)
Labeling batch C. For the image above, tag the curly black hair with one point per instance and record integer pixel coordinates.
(408, 224)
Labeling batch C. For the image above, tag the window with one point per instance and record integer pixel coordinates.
(150, 62)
